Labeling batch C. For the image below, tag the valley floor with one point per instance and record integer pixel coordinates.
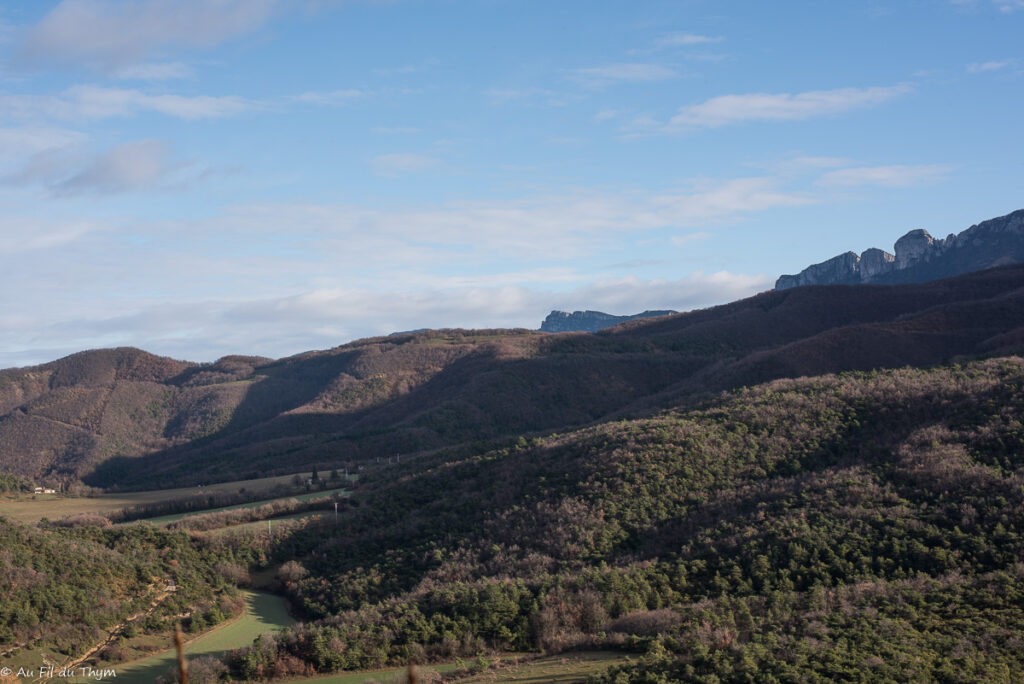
(263, 613)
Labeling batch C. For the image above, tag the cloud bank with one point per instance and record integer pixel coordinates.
(111, 35)
(726, 110)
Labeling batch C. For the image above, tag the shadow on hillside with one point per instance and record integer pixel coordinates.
(286, 384)
(576, 379)
(872, 444)
(482, 395)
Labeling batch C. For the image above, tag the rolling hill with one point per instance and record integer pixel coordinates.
(865, 526)
(127, 418)
(814, 484)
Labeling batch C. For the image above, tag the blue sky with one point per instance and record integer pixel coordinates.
(200, 178)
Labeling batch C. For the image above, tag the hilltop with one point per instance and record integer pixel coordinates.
(127, 418)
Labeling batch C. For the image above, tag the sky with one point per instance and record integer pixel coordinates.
(199, 178)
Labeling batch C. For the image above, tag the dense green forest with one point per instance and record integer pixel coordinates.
(824, 484)
(862, 526)
(855, 527)
(68, 586)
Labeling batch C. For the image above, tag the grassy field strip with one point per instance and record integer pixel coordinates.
(260, 525)
(566, 668)
(164, 519)
(263, 613)
(391, 675)
(32, 508)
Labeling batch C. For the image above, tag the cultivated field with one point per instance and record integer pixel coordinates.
(568, 668)
(391, 675)
(31, 508)
(260, 526)
(317, 494)
(263, 613)
(565, 668)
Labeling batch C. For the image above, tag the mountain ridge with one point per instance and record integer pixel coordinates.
(592, 321)
(124, 417)
(919, 257)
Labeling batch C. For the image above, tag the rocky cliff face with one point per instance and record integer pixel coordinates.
(919, 257)
(590, 321)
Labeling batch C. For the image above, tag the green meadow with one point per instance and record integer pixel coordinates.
(263, 613)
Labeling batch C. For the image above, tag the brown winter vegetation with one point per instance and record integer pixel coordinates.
(819, 484)
(128, 418)
(817, 528)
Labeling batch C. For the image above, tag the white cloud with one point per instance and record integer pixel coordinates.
(40, 155)
(130, 166)
(18, 143)
(816, 162)
(48, 166)
(686, 39)
(986, 67)
(341, 272)
(629, 72)
(1008, 6)
(689, 238)
(734, 109)
(632, 295)
(803, 164)
(98, 102)
(396, 130)
(549, 98)
(94, 102)
(578, 223)
(712, 201)
(109, 35)
(332, 98)
(27, 235)
(407, 69)
(893, 176)
(401, 163)
(76, 170)
(154, 71)
(321, 318)
(1004, 6)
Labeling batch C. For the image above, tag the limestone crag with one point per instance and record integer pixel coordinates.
(919, 257)
(915, 246)
(874, 262)
(590, 321)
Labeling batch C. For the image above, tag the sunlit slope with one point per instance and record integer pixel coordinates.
(93, 415)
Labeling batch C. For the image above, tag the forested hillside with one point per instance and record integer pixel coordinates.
(128, 419)
(817, 483)
(68, 587)
(859, 526)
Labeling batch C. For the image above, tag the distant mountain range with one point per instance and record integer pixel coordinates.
(919, 257)
(127, 418)
(590, 321)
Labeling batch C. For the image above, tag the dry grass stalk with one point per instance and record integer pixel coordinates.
(179, 644)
